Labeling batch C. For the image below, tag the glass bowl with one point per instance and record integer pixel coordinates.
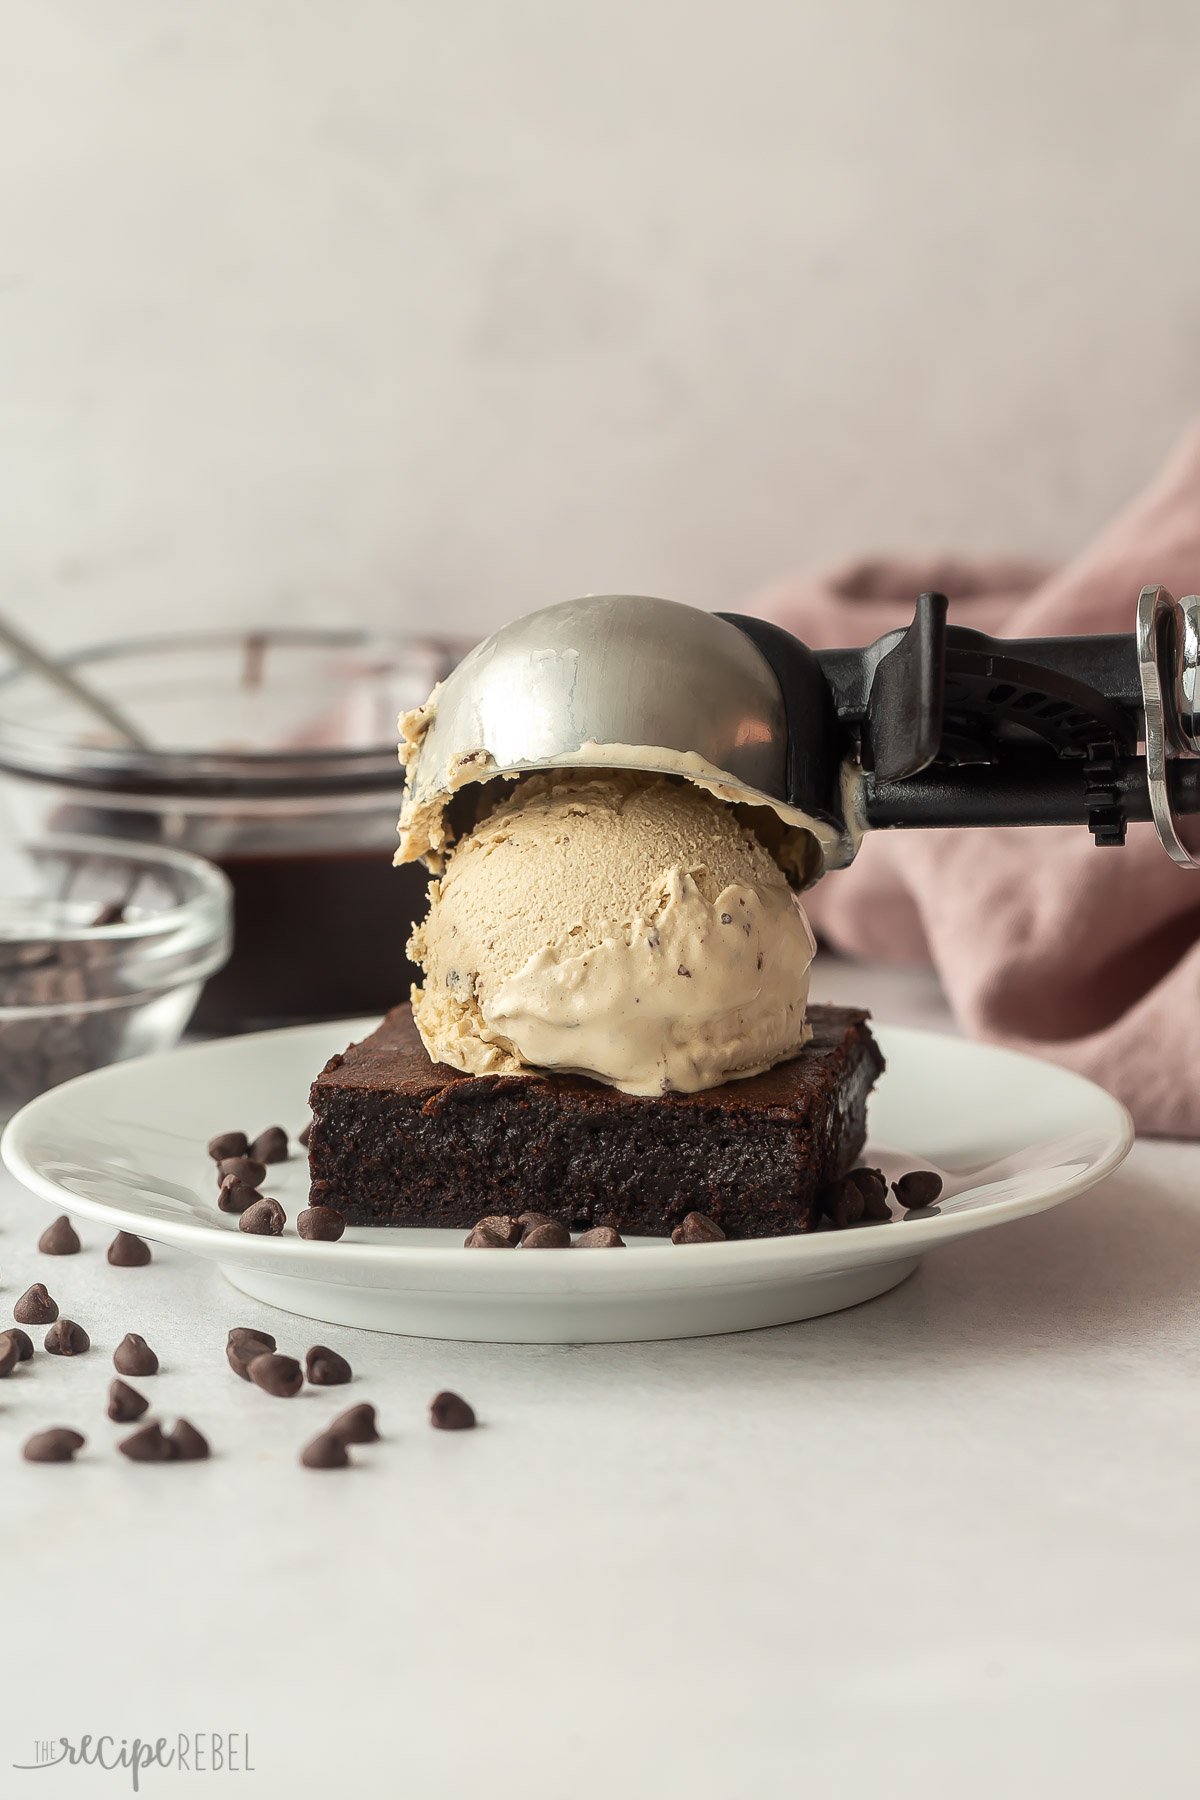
(274, 756)
(104, 948)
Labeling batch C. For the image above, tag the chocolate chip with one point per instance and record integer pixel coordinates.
(243, 1345)
(450, 1412)
(872, 1185)
(697, 1228)
(234, 1196)
(503, 1225)
(727, 918)
(187, 1444)
(600, 1237)
(149, 1444)
(111, 913)
(528, 1221)
(356, 1425)
(266, 1218)
(918, 1189)
(66, 1338)
(325, 1452)
(275, 1374)
(270, 1146)
(133, 1356)
(10, 1353)
(227, 1145)
(128, 1252)
(843, 1203)
(23, 1341)
(320, 1224)
(246, 1168)
(125, 1404)
(59, 1239)
(304, 1136)
(547, 1237)
(56, 1445)
(482, 1237)
(35, 1307)
(325, 1368)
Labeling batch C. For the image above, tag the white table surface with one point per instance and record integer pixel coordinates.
(943, 1544)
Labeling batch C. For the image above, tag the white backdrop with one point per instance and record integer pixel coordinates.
(412, 308)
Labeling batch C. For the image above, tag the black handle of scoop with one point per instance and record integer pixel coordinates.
(953, 727)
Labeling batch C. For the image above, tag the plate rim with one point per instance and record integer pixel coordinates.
(752, 1258)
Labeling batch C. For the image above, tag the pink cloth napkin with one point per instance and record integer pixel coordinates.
(1042, 941)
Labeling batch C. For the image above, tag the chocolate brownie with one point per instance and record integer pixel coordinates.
(399, 1140)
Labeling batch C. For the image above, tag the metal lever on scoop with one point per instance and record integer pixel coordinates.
(951, 727)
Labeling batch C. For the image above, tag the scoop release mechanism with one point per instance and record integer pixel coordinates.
(950, 727)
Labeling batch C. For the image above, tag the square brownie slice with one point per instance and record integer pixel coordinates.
(399, 1140)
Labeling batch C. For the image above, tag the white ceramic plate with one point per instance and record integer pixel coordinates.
(125, 1146)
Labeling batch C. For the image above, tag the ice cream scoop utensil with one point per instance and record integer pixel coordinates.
(932, 725)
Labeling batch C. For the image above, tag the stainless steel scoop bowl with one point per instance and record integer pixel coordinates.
(619, 681)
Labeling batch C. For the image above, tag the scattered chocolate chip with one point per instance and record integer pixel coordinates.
(482, 1237)
(320, 1224)
(356, 1425)
(872, 1185)
(528, 1221)
(270, 1146)
(10, 1353)
(149, 1444)
(697, 1228)
(125, 1404)
(128, 1252)
(234, 1196)
(227, 1145)
(111, 913)
(35, 1307)
(843, 1203)
(547, 1237)
(187, 1444)
(266, 1218)
(325, 1368)
(66, 1338)
(59, 1239)
(600, 1237)
(304, 1136)
(243, 1345)
(505, 1226)
(56, 1445)
(275, 1374)
(450, 1412)
(133, 1356)
(918, 1189)
(23, 1341)
(246, 1168)
(325, 1452)
(686, 973)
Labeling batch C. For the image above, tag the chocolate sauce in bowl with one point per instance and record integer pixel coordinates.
(278, 763)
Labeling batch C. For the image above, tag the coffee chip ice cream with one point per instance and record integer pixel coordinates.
(628, 927)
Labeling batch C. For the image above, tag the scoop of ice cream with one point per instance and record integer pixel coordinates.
(622, 926)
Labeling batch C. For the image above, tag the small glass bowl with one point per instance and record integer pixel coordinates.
(104, 947)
